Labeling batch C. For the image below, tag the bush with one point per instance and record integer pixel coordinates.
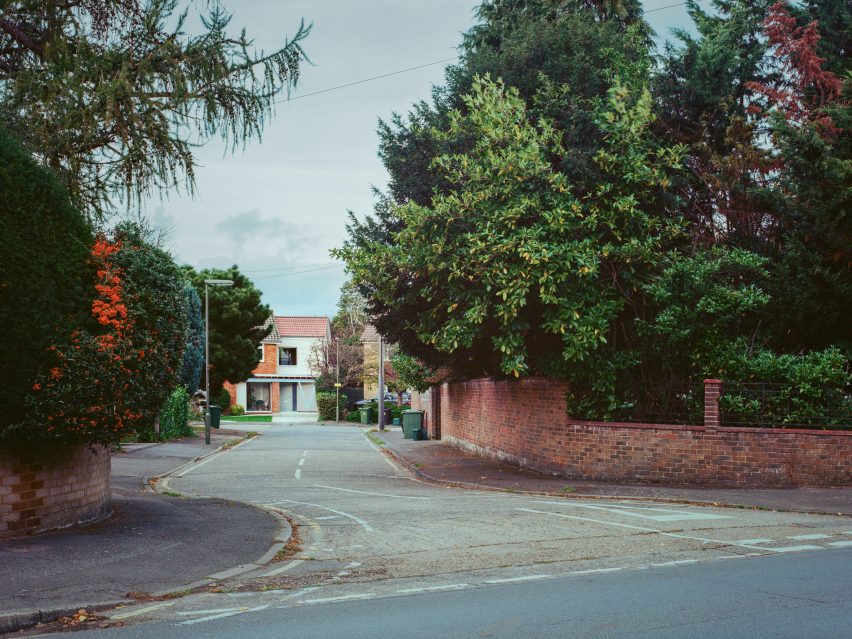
(222, 400)
(45, 282)
(174, 418)
(326, 405)
(354, 416)
(113, 377)
(237, 410)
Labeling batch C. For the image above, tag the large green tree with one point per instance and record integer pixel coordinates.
(115, 94)
(237, 324)
(516, 270)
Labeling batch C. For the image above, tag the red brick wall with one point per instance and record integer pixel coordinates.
(47, 489)
(526, 423)
(269, 365)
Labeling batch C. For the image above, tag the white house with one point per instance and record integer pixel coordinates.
(283, 382)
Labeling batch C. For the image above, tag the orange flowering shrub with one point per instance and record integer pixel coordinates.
(113, 377)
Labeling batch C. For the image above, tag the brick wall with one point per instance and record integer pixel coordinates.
(47, 489)
(526, 423)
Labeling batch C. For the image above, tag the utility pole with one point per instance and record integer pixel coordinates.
(207, 352)
(381, 383)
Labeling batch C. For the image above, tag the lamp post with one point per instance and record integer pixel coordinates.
(207, 352)
(337, 378)
(381, 383)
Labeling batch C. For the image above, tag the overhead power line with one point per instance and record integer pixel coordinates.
(669, 6)
(375, 77)
(420, 66)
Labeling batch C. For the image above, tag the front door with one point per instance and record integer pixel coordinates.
(288, 397)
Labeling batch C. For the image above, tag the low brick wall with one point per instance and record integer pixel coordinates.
(526, 423)
(46, 489)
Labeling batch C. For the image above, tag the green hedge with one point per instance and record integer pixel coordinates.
(326, 406)
(174, 418)
(45, 279)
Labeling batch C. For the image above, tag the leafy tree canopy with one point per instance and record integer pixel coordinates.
(237, 324)
(115, 94)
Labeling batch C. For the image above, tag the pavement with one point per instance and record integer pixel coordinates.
(439, 462)
(151, 545)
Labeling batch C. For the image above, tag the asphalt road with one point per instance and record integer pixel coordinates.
(795, 595)
(385, 555)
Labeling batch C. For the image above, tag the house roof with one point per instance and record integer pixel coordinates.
(291, 326)
(370, 334)
(273, 336)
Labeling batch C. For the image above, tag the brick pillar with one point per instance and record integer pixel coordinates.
(712, 391)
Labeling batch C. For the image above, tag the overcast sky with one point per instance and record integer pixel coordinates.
(278, 207)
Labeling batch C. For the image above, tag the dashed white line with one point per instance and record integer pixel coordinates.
(679, 562)
(509, 580)
(298, 473)
(752, 542)
(408, 591)
(142, 611)
(806, 537)
(365, 595)
(357, 520)
(212, 611)
(222, 615)
(840, 544)
(288, 566)
(364, 492)
(704, 540)
(596, 570)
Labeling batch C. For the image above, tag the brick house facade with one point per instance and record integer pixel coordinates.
(282, 381)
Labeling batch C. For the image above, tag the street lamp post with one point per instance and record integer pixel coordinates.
(381, 383)
(207, 352)
(337, 378)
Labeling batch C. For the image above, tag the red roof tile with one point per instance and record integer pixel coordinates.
(301, 326)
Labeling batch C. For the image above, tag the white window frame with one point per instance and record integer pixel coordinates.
(262, 354)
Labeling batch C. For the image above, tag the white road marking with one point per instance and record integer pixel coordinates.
(142, 611)
(354, 564)
(302, 461)
(364, 492)
(596, 570)
(288, 566)
(383, 456)
(358, 520)
(840, 544)
(326, 517)
(705, 540)
(298, 473)
(212, 457)
(508, 580)
(222, 615)
(752, 542)
(408, 591)
(212, 611)
(365, 595)
(676, 563)
(805, 537)
(667, 514)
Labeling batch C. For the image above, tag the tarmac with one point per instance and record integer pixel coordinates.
(155, 544)
(152, 545)
(436, 461)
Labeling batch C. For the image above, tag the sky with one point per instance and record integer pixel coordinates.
(277, 207)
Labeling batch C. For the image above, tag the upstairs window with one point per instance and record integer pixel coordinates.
(260, 350)
(286, 356)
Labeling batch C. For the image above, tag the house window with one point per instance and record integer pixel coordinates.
(286, 356)
(260, 359)
(258, 397)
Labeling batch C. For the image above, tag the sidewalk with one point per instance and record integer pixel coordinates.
(442, 463)
(151, 544)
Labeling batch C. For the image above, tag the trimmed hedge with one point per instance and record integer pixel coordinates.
(174, 418)
(326, 406)
(45, 279)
